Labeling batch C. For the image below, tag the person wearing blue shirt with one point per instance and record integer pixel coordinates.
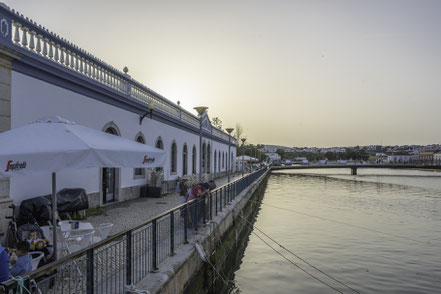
(24, 262)
(4, 265)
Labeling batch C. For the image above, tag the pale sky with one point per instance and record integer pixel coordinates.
(294, 73)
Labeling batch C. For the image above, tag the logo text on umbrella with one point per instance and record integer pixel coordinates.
(148, 160)
(15, 166)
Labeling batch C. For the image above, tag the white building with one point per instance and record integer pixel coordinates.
(273, 157)
(399, 158)
(437, 158)
(41, 74)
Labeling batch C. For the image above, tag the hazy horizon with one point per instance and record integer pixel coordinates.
(293, 73)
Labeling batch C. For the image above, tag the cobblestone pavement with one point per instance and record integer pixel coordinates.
(128, 214)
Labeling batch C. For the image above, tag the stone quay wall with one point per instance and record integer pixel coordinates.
(186, 272)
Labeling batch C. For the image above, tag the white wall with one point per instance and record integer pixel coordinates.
(33, 99)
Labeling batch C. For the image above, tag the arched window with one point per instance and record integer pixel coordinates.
(208, 159)
(232, 162)
(215, 161)
(193, 160)
(174, 157)
(219, 161)
(139, 173)
(204, 154)
(184, 160)
(159, 143)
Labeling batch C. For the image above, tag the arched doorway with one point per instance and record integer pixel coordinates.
(109, 180)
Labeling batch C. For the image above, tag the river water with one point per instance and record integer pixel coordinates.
(377, 232)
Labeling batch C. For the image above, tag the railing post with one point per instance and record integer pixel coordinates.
(89, 269)
(154, 246)
(172, 233)
(220, 200)
(185, 224)
(129, 257)
(215, 204)
(210, 203)
(204, 211)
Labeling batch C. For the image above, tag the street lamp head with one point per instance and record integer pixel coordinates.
(150, 107)
(229, 130)
(243, 140)
(201, 109)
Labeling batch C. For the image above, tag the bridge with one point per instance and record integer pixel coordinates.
(354, 167)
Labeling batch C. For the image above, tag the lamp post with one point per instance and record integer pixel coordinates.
(243, 144)
(151, 106)
(229, 130)
(201, 110)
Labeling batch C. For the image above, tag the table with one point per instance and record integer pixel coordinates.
(83, 226)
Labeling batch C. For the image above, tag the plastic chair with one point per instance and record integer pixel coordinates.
(36, 257)
(104, 231)
(81, 241)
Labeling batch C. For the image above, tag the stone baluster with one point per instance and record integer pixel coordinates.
(81, 65)
(76, 62)
(38, 47)
(57, 56)
(45, 46)
(24, 37)
(51, 49)
(62, 55)
(72, 60)
(67, 63)
(93, 71)
(17, 32)
(87, 68)
(31, 40)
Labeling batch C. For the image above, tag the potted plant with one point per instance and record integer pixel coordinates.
(154, 188)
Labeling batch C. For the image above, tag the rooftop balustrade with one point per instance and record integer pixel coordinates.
(26, 37)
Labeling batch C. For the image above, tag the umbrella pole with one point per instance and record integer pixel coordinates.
(54, 214)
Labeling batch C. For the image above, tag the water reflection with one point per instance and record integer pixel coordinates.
(392, 244)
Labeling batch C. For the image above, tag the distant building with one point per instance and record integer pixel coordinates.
(426, 157)
(398, 158)
(437, 158)
(301, 160)
(273, 157)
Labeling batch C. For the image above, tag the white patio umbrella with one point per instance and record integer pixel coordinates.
(52, 144)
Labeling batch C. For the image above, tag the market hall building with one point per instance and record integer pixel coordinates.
(42, 74)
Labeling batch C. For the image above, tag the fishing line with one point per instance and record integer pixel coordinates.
(283, 247)
(296, 265)
(343, 223)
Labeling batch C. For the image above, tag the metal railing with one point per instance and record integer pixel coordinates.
(26, 37)
(127, 257)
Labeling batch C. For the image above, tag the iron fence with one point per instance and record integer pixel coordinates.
(127, 257)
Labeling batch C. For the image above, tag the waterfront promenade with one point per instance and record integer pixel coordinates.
(129, 214)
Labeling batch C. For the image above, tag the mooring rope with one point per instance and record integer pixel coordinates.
(226, 281)
(294, 264)
(343, 223)
(302, 259)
